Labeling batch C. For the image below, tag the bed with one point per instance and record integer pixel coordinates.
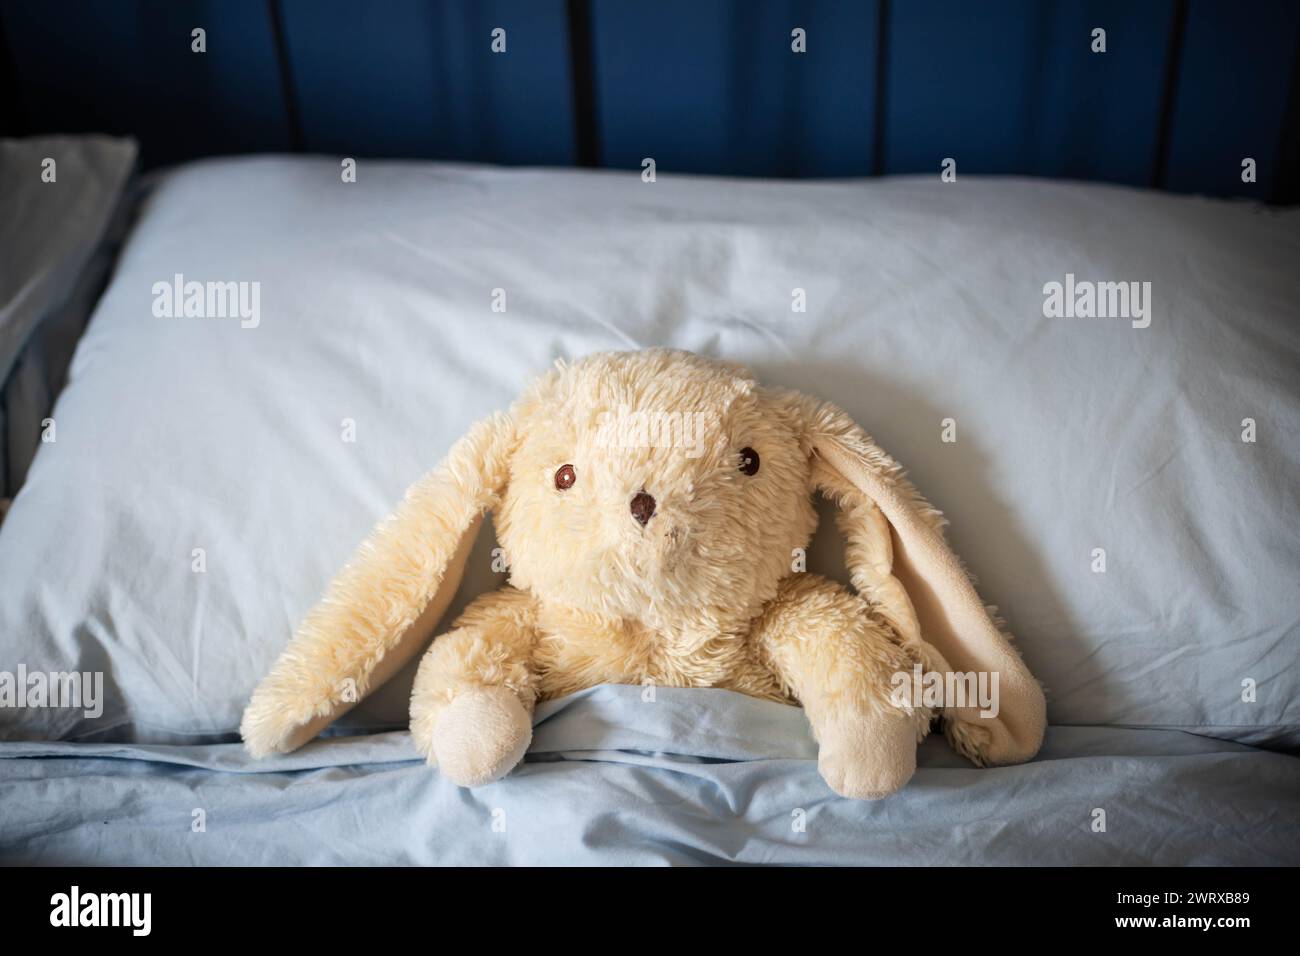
(1124, 488)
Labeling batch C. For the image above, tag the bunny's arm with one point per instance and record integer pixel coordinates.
(381, 608)
(823, 644)
(472, 703)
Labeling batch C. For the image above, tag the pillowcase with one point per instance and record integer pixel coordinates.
(63, 209)
(212, 473)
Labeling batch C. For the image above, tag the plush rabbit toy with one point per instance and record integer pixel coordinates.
(653, 506)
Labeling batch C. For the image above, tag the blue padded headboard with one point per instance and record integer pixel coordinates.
(1185, 91)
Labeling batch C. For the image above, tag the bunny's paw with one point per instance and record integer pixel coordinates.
(480, 736)
(867, 756)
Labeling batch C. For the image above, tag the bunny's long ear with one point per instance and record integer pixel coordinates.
(380, 610)
(899, 560)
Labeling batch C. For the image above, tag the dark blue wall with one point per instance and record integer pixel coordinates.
(1185, 91)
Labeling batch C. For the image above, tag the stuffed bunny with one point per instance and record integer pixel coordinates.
(653, 507)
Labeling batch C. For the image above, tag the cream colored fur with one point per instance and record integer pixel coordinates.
(702, 595)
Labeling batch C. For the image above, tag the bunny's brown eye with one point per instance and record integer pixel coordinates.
(749, 461)
(565, 476)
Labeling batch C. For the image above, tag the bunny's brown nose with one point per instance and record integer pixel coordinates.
(643, 507)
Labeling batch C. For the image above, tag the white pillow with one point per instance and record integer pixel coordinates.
(220, 443)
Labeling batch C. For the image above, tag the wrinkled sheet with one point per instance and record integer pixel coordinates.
(692, 777)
